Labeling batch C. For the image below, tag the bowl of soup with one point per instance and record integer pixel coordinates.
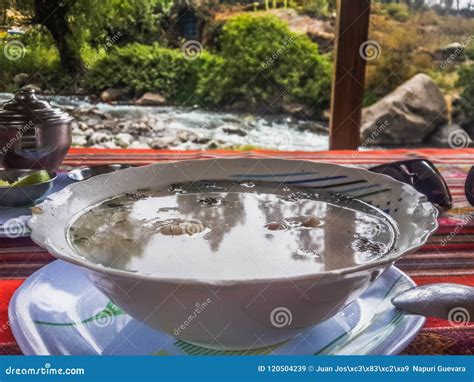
(234, 253)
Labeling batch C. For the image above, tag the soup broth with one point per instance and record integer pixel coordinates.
(227, 230)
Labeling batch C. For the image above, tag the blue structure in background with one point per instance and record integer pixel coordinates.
(188, 21)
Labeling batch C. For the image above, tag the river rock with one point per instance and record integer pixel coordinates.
(319, 30)
(451, 52)
(212, 145)
(82, 125)
(101, 113)
(458, 113)
(187, 136)
(151, 99)
(160, 143)
(452, 136)
(100, 137)
(441, 137)
(124, 139)
(34, 87)
(88, 133)
(202, 140)
(294, 109)
(408, 115)
(234, 131)
(21, 79)
(314, 127)
(77, 131)
(141, 125)
(114, 94)
(106, 145)
(79, 140)
(139, 145)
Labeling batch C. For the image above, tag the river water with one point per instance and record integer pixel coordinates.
(213, 129)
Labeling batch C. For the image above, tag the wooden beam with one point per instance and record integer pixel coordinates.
(353, 18)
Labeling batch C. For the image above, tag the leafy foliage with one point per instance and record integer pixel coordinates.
(262, 61)
(318, 8)
(469, 52)
(39, 56)
(149, 68)
(466, 81)
(136, 20)
(398, 12)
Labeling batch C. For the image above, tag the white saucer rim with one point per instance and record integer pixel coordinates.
(416, 324)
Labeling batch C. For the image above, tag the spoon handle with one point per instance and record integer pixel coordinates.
(453, 302)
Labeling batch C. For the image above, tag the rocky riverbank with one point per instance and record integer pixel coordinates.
(103, 125)
(413, 115)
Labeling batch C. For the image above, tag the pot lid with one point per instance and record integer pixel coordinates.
(26, 107)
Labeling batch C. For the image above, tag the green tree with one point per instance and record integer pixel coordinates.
(466, 81)
(73, 22)
(262, 63)
(136, 20)
(54, 16)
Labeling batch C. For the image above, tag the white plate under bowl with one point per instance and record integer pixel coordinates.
(241, 312)
(58, 311)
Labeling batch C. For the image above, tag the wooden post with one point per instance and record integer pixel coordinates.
(349, 74)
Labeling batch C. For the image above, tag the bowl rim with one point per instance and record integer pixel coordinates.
(384, 262)
(53, 175)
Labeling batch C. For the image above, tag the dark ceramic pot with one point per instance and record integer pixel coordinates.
(33, 134)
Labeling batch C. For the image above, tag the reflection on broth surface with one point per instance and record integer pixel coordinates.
(225, 230)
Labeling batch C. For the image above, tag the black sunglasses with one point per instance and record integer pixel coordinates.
(469, 187)
(424, 177)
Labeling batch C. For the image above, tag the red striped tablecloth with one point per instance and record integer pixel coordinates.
(435, 262)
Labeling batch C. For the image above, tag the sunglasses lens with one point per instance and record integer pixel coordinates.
(469, 187)
(423, 176)
(429, 181)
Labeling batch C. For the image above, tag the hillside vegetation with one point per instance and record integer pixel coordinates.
(259, 60)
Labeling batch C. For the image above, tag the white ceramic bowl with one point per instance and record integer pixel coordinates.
(236, 314)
